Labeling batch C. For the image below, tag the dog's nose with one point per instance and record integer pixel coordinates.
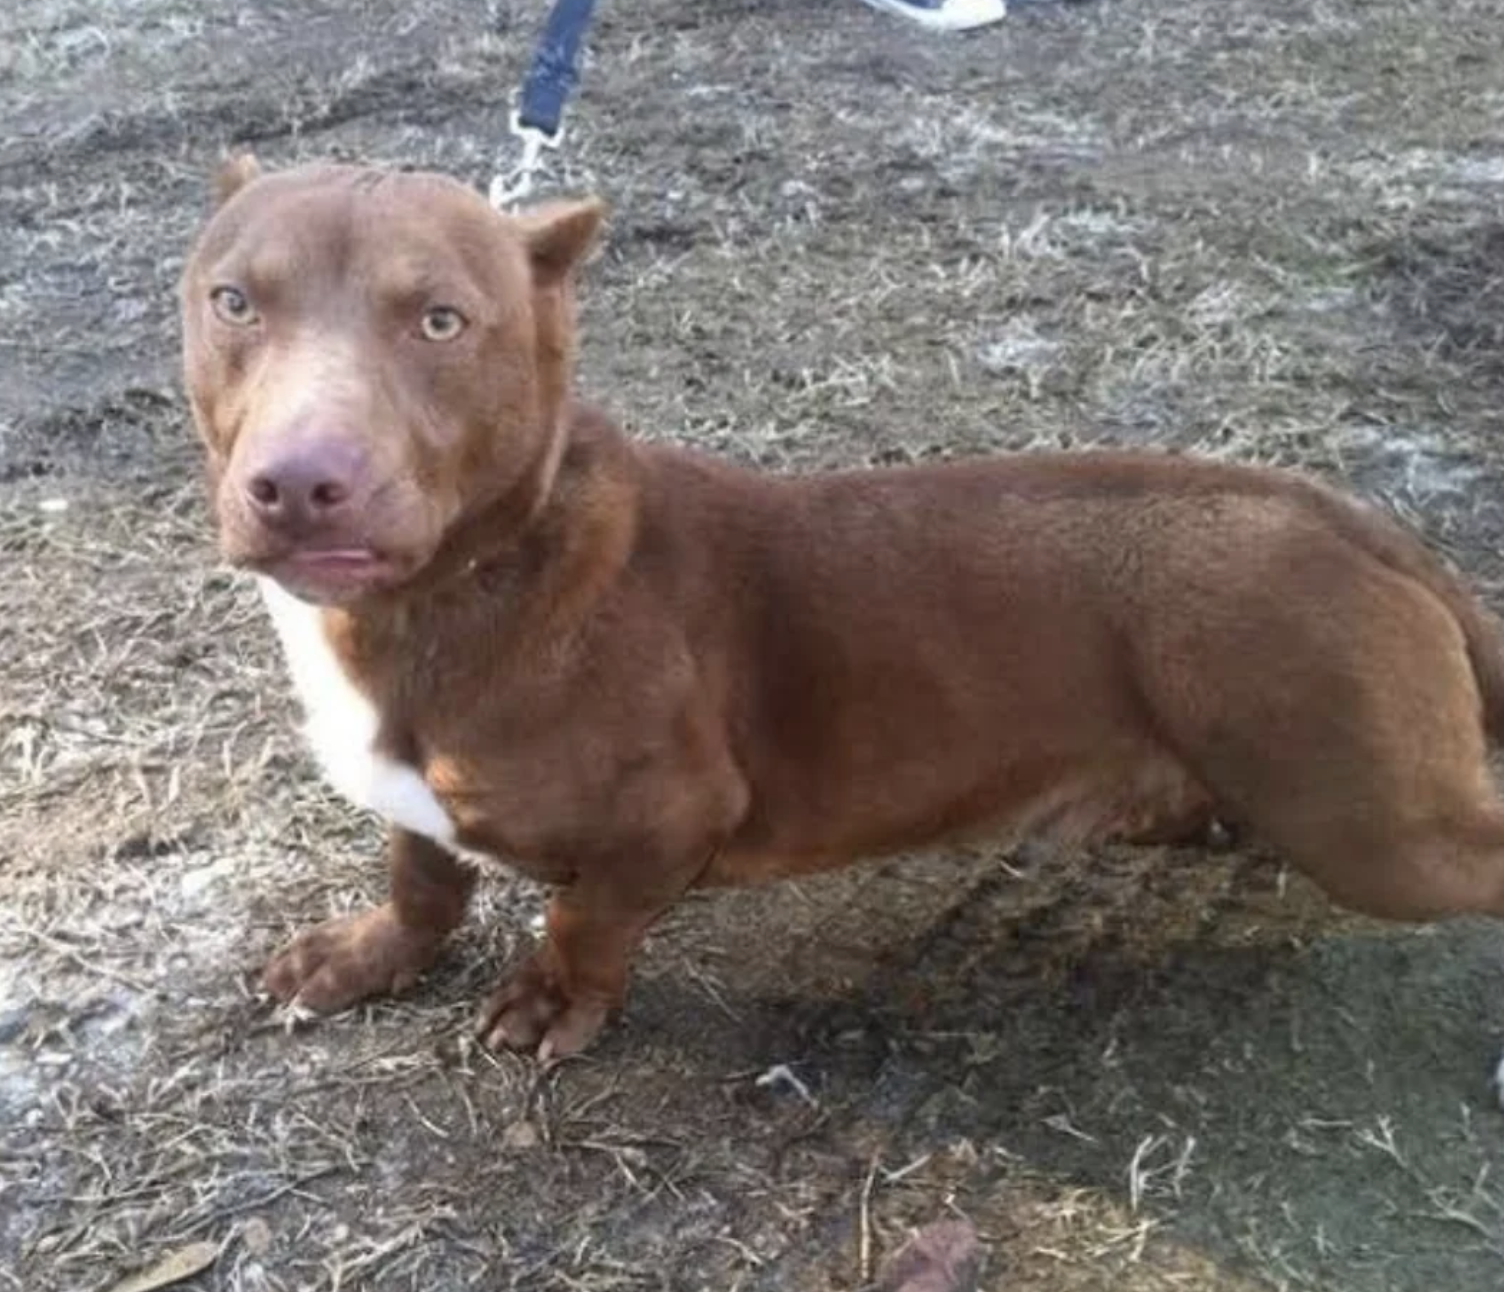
(304, 486)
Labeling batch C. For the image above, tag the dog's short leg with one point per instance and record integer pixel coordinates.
(383, 950)
(560, 997)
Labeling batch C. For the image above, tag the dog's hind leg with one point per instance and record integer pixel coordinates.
(1349, 735)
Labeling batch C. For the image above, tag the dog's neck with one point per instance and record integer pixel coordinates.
(493, 529)
(517, 573)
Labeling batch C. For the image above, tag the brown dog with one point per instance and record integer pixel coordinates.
(632, 670)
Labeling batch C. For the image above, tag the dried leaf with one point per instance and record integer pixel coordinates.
(941, 1257)
(172, 1268)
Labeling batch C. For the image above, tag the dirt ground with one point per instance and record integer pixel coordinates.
(1264, 229)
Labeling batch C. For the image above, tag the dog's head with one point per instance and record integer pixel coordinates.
(372, 359)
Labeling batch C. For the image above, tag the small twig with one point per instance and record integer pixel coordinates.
(1383, 1140)
(1183, 1164)
(893, 1177)
(1061, 1122)
(864, 1249)
(61, 948)
(780, 1074)
(712, 992)
(221, 1214)
(736, 1245)
(1136, 1172)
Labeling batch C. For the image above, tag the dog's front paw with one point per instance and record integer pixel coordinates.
(532, 1010)
(348, 959)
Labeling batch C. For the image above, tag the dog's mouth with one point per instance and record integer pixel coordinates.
(330, 562)
(330, 575)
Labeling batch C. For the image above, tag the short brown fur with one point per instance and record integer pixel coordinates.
(632, 670)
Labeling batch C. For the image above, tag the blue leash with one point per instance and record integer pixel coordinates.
(552, 77)
(538, 120)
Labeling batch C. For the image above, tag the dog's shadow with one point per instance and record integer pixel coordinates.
(1185, 1031)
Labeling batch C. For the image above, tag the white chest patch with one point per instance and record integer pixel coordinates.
(342, 725)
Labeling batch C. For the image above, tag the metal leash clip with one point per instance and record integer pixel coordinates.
(512, 186)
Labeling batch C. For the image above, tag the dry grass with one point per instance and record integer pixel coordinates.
(1268, 231)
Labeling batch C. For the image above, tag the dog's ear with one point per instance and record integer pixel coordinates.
(559, 234)
(234, 173)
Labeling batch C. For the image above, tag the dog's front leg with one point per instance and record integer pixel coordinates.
(559, 997)
(382, 950)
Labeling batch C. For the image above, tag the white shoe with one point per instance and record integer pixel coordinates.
(945, 15)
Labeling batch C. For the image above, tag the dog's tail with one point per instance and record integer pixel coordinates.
(1395, 546)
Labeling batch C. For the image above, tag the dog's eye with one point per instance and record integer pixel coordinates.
(442, 323)
(232, 306)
